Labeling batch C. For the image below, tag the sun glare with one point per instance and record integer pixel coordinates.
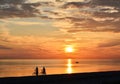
(69, 49)
(69, 66)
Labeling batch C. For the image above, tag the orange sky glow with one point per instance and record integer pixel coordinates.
(84, 29)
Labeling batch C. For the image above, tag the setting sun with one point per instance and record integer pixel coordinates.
(69, 49)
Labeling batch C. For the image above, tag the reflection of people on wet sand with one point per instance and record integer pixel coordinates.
(43, 71)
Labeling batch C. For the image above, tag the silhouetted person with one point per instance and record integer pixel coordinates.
(36, 71)
(43, 71)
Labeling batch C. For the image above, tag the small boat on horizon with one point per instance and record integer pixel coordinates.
(76, 62)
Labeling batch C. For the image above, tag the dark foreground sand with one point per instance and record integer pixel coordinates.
(111, 77)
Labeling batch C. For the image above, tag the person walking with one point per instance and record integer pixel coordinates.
(43, 71)
(36, 71)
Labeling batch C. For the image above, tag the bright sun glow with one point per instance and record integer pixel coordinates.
(69, 49)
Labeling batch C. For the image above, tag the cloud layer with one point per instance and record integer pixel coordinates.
(111, 43)
(17, 8)
(85, 15)
(4, 47)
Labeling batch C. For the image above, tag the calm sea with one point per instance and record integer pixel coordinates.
(19, 67)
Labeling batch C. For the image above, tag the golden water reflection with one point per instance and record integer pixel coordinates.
(69, 66)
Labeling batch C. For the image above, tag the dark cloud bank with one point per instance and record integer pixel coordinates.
(17, 8)
(92, 15)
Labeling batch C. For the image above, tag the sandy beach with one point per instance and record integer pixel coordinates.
(110, 77)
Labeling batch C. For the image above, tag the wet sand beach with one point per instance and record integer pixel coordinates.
(110, 77)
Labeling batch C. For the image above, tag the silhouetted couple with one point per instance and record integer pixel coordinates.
(43, 71)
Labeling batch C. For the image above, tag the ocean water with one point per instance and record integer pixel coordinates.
(26, 67)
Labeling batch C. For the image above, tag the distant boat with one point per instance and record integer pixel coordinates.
(76, 62)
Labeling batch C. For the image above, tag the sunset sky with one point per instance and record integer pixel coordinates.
(45, 28)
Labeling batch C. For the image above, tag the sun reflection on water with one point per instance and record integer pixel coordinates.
(69, 66)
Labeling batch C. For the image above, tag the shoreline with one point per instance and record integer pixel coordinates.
(108, 77)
